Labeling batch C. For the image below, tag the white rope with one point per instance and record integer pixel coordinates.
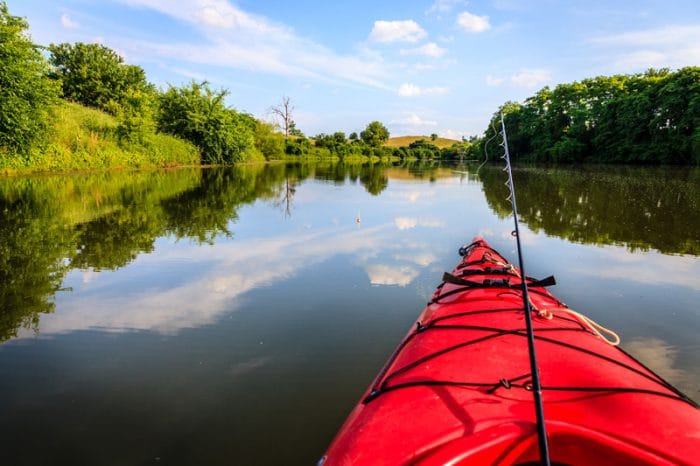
(592, 325)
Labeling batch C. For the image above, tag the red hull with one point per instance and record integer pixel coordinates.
(456, 391)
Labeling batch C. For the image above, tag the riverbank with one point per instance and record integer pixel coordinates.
(82, 138)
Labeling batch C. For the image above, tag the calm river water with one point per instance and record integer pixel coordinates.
(234, 316)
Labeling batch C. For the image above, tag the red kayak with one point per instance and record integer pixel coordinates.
(458, 388)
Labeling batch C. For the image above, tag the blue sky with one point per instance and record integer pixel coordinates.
(420, 67)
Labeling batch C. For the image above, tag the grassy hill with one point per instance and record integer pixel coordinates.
(85, 138)
(404, 141)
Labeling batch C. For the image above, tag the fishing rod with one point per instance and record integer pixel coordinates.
(536, 385)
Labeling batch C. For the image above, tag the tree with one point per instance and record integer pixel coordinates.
(294, 131)
(375, 134)
(353, 136)
(95, 75)
(433, 137)
(283, 111)
(136, 116)
(25, 91)
(268, 142)
(198, 114)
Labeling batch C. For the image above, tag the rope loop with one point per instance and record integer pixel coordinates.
(607, 335)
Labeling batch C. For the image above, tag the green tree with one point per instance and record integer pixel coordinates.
(198, 114)
(294, 131)
(25, 91)
(268, 142)
(95, 75)
(652, 117)
(136, 116)
(375, 134)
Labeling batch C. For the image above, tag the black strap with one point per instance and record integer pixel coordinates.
(495, 283)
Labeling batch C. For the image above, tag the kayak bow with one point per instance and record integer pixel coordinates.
(458, 388)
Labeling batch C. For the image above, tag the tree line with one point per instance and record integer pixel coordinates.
(645, 118)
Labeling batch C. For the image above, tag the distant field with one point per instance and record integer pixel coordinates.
(404, 141)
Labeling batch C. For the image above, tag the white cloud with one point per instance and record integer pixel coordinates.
(68, 23)
(411, 90)
(452, 134)
(667, 35)
(386, 275)
(492, 81)
(397, 31)
(641, 59)
(473, 23)
(443, 6)
(531, 78)
(668, 46)
(431, 49)
(413, 120)
(423, 66)
(240, 40)
(213, 13)
(525, 78)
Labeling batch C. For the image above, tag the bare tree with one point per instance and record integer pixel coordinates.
(285, 201)
(283, 111)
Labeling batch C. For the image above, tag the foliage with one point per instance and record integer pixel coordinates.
(86, 138)
(268, 142)
(294, 131)
(135, 116)
(95, 75)
(653, 117)
(198, 114)
(601, 205)
(375, 135)
(25, 91)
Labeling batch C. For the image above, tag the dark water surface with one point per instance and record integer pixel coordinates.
(234, 316)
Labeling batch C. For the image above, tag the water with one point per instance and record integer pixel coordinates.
(235, 316)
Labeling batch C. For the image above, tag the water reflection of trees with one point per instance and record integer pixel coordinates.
(640, 208)
(53, 224)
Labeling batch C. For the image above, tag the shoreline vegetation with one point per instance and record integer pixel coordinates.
(78, 106)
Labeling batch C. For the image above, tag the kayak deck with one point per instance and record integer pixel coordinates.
(458, 387)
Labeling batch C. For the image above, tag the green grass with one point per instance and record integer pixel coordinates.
(405, 141)
(85, 138)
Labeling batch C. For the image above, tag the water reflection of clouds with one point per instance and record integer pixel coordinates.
(380, 274)
(411, 196)
(224, 272)
(419, 258)
(406, 223)
(660, 357)
(648, 267)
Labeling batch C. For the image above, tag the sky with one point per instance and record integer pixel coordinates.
(419, 67)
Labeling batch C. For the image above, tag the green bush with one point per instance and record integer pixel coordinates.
(26, 93)
(198, 114)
